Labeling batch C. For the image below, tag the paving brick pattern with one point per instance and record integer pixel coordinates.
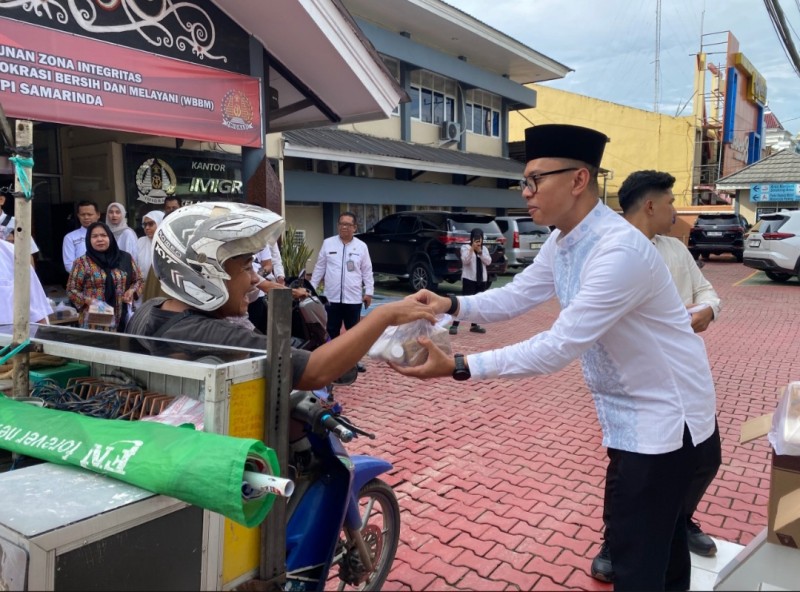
(500, 482)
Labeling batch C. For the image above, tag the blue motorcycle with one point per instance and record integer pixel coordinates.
(343, 521)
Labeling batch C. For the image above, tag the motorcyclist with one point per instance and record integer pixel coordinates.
(203, 257)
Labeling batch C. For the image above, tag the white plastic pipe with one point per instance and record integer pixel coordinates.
(261, 482)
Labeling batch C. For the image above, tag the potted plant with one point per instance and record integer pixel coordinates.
(295, 254)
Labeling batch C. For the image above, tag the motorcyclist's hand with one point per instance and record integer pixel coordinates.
(406, 310)
(439, 363)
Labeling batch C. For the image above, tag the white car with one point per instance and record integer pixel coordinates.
(775, 247)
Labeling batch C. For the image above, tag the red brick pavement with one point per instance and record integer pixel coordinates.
(501, 482)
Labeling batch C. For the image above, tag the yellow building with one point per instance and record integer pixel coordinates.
(639, 139)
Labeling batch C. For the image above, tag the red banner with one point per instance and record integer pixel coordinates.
(47, 75)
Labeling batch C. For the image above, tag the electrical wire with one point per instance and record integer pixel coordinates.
(781, 27)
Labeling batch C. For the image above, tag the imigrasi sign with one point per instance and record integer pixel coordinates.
(157, 173)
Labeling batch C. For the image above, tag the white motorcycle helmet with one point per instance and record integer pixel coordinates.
(193, 243)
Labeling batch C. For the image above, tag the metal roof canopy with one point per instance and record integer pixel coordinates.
(324, 69)
(338, 145)
(781, 167)
(303, 186)
(439, 25)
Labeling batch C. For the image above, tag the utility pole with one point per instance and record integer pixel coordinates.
(22, 256)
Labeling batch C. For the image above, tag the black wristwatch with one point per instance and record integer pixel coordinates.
(461, 372)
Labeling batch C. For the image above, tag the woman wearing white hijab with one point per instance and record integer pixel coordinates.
(117, 222)
(144, 254)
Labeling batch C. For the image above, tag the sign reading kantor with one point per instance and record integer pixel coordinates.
(68, 79)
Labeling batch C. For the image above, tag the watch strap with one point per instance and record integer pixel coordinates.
(453, 304)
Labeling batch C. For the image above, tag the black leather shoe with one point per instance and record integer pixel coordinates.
(477, 329)
(361, 367)
(601, 565)
(699, 542)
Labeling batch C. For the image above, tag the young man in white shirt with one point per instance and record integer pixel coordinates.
(345, 268)
(622, 316)
(74, 244)
(647, 202)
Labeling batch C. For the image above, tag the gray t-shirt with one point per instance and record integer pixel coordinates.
(197, 327)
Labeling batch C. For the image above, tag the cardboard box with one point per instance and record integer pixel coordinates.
(783, 511)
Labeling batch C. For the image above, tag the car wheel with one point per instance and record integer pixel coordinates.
(421, 277)
(776, 276)
(706, 257)
(695, 254)
(740, 257)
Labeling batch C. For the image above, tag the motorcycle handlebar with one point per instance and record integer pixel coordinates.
(307, 407)
(341, 432)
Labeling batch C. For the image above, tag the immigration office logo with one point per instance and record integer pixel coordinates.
(237, 112)
(155, 180)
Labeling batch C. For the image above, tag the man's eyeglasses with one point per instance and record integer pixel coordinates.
(346, 224)
(531, 180)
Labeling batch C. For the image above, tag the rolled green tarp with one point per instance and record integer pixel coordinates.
(200, 468)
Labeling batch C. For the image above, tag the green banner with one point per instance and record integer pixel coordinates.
(200, 468)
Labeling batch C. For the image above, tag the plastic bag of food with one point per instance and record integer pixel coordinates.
(399, 343)
(785, 432)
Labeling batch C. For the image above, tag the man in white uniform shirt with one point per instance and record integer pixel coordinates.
(345, 268)
(622, 316)
(74, 244)
(647, 200)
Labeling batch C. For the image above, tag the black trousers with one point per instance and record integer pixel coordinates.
(468, 288)
(339, 313)
(645, 511)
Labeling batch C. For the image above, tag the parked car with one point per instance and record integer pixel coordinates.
(524, 238)
(775, 248)
(425, 246)
(717, 234)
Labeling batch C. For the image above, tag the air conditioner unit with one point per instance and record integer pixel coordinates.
(363, 170)
(450, 131)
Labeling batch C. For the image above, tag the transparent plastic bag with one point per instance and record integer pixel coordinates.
(785, 432)
(399, 343)
(100, 315)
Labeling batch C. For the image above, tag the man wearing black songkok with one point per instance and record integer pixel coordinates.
(622, 316)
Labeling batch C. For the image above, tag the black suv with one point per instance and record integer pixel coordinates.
(425, 246)
(715, 234)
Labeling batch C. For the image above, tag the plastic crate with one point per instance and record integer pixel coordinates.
(61, 374)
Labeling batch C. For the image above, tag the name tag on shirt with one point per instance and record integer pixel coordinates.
(350, 265)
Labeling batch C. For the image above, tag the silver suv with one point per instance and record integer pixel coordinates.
(775, 247)
(524, 238)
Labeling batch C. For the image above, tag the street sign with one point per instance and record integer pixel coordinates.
(775, 192)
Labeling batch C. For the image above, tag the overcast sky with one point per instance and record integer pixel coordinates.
(610, 45)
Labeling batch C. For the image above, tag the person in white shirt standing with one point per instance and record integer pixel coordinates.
(647, 200)
(40, 307)
(116, 219)
(7, 228)
(474, 276)
(74, 244)
(622, 316)
(345, 268)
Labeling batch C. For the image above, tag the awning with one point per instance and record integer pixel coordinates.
(338, 145)
(302, 186)
(325, 70)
